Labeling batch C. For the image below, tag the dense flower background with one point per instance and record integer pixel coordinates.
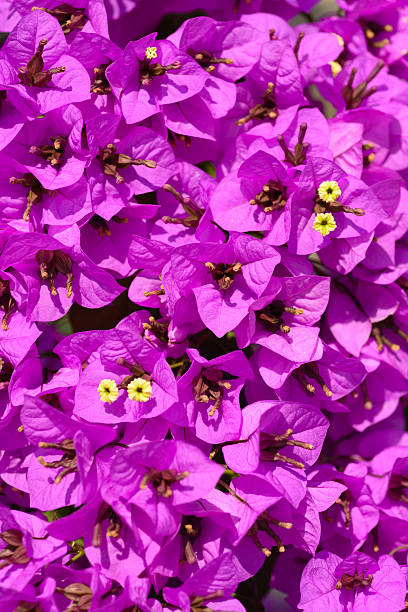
(203, 284)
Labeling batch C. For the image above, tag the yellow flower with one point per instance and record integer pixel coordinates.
(329, 191)
(335, 68)
(140, 390)
(151, 53)
(108, 390)
(324, 223)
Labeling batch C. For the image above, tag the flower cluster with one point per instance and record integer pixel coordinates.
(225, 201)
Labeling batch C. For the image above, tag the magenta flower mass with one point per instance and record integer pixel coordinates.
(204, 307)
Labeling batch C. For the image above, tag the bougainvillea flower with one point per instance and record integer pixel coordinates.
(331, 377)
(29, 204)
(212, 585)
(152, 73)
(269, 427)
(124, 166)
(38, 73)
(26, 547)
(274, 85)
(155, 478)
(355, 514)
(256, 198)
(358, 582)
(50, 150)
(81, 15)
(129, 379)
(48, 276)
(275, 320)
(356, 201)
(225, 50)
(210, 402)
(57, 472)
(224, 278)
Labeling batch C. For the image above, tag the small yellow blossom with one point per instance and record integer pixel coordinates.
(108, 390)
(335, 68)
(329, 191)
(140, 390)
(324, 223)
(151, 53)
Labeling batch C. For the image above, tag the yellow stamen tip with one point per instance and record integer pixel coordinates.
(329, 191)
(139, 390)
(324, 223)
(108, 390)
(151, 53)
